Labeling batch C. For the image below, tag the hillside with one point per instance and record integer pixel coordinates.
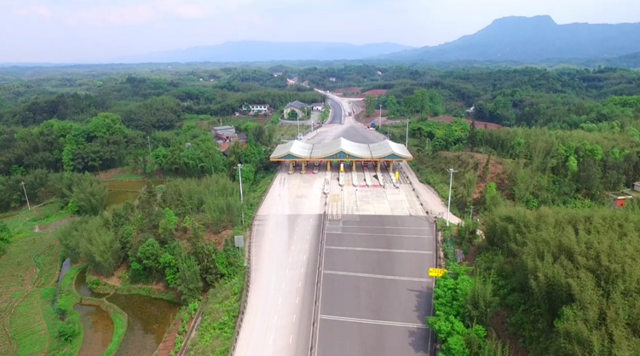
(259, 51)
(532, 39)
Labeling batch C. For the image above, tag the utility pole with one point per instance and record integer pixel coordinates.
(406, 139)
(241, 195)
(25, 195)
(451, 171)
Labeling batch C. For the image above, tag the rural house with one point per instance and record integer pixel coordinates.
(256, 109)
(297, 106)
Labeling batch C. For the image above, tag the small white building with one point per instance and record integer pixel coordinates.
(332, 79)
(255, 109)
(636, 186)
(317, 106)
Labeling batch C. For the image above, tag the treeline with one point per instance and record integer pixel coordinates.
(146, 103)
(170, 236)
(565, 278)
(538, 167)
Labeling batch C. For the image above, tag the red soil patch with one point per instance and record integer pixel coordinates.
(169, 340)
(218, 239)
(497, 172)
(351, 90)
(479, 124)
(375, 92)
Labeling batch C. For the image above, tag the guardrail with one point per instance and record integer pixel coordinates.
(247, 280)
(197, 319)
(316, 298)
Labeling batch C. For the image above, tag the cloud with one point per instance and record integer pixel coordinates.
(34, 11)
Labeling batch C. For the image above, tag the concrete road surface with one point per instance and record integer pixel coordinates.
(284, 261)
(375, 290)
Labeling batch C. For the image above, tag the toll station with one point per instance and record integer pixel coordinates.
(340, 152)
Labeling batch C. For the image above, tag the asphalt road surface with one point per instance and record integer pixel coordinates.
(336, 112)
(375, 290)
(284, 261)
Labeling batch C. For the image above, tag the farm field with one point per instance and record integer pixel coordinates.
(28, 266)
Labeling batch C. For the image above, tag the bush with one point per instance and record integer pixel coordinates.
(67, 331)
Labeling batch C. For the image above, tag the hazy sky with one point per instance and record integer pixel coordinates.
(100, 30)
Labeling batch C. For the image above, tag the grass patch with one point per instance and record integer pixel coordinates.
(221, 310)
(23, 224)
(101, 286)
(126, 177)
(69, 327)
(29, 269)
(288, 132)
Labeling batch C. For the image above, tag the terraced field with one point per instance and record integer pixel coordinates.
(28, 266)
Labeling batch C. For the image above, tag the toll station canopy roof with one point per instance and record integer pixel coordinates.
(342, 149)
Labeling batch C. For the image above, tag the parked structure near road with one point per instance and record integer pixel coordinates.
(296, 106)
(225, 136)
(341, 150)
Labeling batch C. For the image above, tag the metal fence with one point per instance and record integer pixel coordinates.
(247, 281)
(316, 298)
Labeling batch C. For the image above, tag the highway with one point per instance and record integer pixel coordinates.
(284, 263)
(373, 294)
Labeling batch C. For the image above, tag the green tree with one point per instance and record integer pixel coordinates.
(370, 102)
(5, 236)
(392, 107)
(188, 281)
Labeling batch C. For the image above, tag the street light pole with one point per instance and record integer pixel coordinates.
(241, 194)
(451, 171)
(406, 139)
(298, 120)
(25, 195)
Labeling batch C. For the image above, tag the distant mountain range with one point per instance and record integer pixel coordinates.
(262, 51)
(532, 40)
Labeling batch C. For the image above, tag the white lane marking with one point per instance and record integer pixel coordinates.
(388, 235)
(375, 322)
(287, 273)
(282, 284)
(305, 257)
(271, 339)
(377, 250)
(276, 319)
(294, 317)
(309, 227)
(388, 227)
(299, 284)
(378, 276)
(310, 219)
(290, 338)
(280, 300)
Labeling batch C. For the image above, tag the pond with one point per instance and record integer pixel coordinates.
(149, 320)
(122, 191)
(98, 329)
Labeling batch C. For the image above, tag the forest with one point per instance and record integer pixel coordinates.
(551, 272)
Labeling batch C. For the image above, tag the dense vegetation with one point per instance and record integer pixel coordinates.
(550, 277)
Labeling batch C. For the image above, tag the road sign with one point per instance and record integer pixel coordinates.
(437, 272)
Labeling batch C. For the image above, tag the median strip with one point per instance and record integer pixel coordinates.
(373, 322)
(378, 250)
(378, 276)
